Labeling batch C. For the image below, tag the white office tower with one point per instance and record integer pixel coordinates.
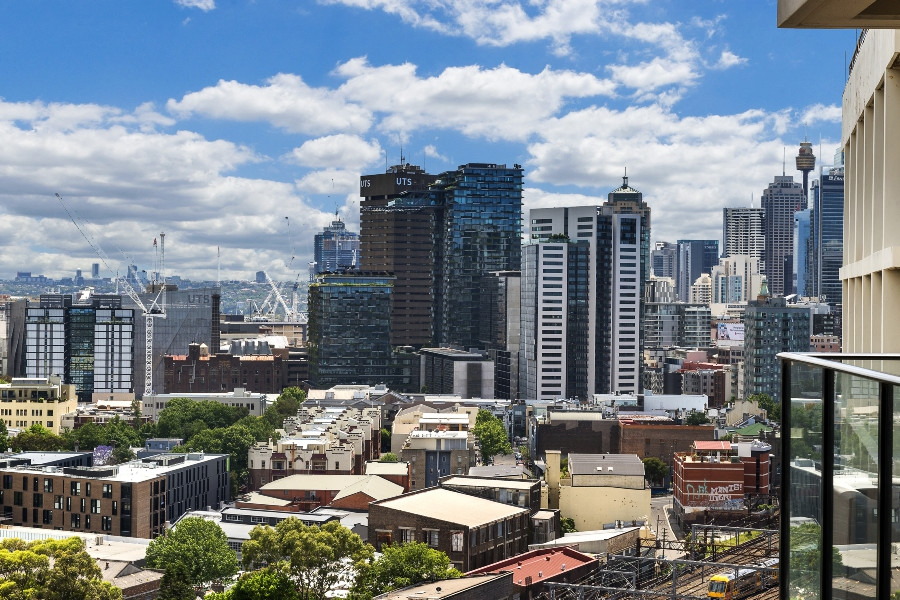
(701, 290)
(736, 279)
(742, 233)
(618, 237)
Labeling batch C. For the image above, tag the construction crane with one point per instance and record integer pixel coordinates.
(157, 306)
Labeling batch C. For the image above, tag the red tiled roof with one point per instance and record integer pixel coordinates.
(540, 565)
(712, 445)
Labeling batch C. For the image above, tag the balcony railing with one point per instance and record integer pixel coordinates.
(840, 475)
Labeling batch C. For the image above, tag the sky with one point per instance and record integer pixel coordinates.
(241, 127)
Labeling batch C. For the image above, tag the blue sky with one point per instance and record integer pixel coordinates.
(213, 120)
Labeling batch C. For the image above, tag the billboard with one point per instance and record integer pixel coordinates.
(730, 331)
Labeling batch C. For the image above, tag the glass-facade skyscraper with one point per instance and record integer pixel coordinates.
(694, 257)
(827, 235)
(481, 233)
(335, 248)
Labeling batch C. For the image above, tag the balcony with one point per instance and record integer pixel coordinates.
(840, 476)
(839, 14)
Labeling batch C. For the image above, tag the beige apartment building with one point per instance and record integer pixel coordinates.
(34, 400)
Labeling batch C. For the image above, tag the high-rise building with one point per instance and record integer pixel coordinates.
(701, 290)
(501, 329)
(95, 270)
(694, 258)
(349, 333)
(87, 344)
(800, 253)
(481, 233)
(336, 248)
(618, 237)
(743, 233)
(555, 316)
(771, 326)
(664, 259)
(400, 233)
(780, 200)
(736, 279)
(827, 236)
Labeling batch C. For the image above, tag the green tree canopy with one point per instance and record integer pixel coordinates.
(184, 418)
(765, 402)
(389, 457)
(199, 547)
(491, 435)
(286, 405)
(402, 565)
(37, 438)
(51, 570)
(655, 470)
(316, 557)
(697, 417)
(568, 524)
(269, 583)
(175, 584)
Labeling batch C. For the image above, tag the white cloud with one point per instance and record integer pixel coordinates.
(729, 59)
(820, 112)
(204, 5)
(431, 151)
(286, 102)
(341, 150)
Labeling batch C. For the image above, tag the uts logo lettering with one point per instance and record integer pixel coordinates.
(364, 183)
(198, 299)
(404, 181)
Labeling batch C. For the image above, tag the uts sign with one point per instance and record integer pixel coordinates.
(390, 184)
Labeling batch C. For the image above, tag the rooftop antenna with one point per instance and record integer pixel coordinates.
(783, 160)
(625, 177)
(218, 266)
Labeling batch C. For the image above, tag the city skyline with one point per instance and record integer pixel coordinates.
(215, 121)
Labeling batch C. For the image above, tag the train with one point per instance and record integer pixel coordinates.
(746, 582)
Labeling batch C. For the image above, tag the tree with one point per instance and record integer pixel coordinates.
(766, 403)
(389, 457)
(491, 435)
(315, 557)
(697, 417)
(655, 470)
(385, 439)
(287, 405)
(37, 438)
(402, 565)
(4, 436)
(198, 546)
(183, 418)
(270, 583)
(51, 570)
(568, 524)
(174, 584)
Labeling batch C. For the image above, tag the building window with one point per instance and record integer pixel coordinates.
(76, 521)
(407, 535)
(106, 523)
(456, 541)
(48, 517)
(95, 507)
(48, 486)
(75, 488)
(17, 498)
(107, 490)
(87, 489)
(431, 537)
(37, 500)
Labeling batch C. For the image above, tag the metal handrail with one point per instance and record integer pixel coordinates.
(832, 361)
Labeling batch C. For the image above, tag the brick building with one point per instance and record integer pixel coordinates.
(472, 531)
(533, 570)
(202, 371)
(133, 499)
(718, 475)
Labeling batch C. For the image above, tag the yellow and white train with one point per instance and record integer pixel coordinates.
(746, 582)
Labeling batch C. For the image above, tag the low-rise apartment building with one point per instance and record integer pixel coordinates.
(27, 401)
(133, 499)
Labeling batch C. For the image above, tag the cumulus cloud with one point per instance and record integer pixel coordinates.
(820, 112)
(341, 150)
(285, 101)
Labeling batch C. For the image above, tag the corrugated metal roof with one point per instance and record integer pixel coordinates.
(605, 464)
(712, 445)
(452, 507)
(539, 565)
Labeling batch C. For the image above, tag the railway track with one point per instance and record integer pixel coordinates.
(646, 578)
